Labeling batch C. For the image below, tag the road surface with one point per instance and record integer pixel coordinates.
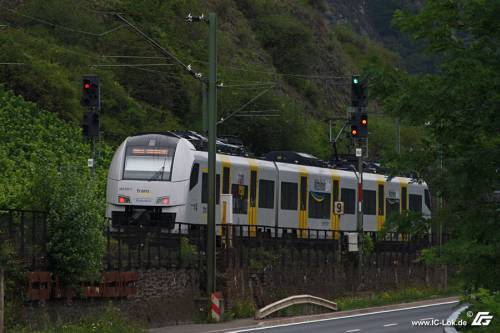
(398, 320)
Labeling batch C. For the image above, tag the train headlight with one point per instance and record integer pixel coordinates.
(163, 200)
(123, 199)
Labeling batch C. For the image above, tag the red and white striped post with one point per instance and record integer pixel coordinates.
(216, 306)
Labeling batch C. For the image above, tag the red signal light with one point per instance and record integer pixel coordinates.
(86, 86)
(165, 201)
(354, 131)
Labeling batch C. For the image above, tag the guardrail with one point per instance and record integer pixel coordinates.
(294, 300)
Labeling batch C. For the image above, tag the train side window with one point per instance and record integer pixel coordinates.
(381, 200)
(204, 188)
(415, 203)
(348, 196)
(404, 200)
(319, 205)
(289, 195)
(266, 193)
(225, 180)
(195, 174)
(240, 198)
(369, 202)
(427, 199)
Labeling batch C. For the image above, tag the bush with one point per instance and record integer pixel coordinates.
(75, 229)
(482, 300)
(243, 308)
(188, 253)
(43, 163)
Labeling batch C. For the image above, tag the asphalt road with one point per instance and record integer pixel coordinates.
(376, 322)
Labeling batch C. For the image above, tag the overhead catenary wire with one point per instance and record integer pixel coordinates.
(159, 47)
(131, 57)
(12, 63)
(245, 105)
(130, 65)
(164, 74)
(305, 76)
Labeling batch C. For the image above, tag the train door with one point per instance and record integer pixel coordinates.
(335, 218)
(226, 185)
(303, 205)
(380, 204)
(252, 210)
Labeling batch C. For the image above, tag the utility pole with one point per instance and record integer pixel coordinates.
(212, 134)
(359, 155)
(359, 134)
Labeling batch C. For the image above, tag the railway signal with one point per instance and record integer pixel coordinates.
(91, 92)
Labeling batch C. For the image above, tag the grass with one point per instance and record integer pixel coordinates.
(109, 321)
(371, 300)
(393, 297)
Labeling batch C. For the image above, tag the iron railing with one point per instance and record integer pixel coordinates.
(26, 231)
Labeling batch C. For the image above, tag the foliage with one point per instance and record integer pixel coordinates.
(60, 41)
(43, 160)
(188, 253)
(13, 276)
(408, 222)
(109, 321)
(243, 308)
(482, 300)
(392, 297)
(458, 106)
(368, 245)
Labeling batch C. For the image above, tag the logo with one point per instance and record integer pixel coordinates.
(482, 319)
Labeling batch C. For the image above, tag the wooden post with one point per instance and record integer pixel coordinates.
(1, 300)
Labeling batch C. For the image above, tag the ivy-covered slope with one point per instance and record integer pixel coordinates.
(58, 41)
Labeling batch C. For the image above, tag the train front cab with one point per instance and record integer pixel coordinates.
(148, 181)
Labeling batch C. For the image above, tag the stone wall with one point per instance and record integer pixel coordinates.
(329, 279)
(163, 297)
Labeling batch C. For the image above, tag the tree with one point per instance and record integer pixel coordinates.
(459, 107)
(43, 167)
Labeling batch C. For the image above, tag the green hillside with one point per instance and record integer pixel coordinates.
(286, 47)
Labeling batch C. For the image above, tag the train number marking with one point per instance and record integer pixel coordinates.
(339, 207)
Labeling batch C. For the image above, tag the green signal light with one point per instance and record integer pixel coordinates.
(355, 80)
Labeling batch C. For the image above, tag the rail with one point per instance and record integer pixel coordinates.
(294, 300)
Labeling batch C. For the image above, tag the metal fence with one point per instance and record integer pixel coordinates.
(26, 231)
(183, 246)
(138, 246)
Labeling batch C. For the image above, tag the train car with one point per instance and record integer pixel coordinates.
(161, 179)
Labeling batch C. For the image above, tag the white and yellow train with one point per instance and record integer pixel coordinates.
(161, 179)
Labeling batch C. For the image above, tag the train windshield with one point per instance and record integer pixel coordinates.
(152, 163)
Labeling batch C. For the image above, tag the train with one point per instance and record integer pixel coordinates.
(161, 179)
